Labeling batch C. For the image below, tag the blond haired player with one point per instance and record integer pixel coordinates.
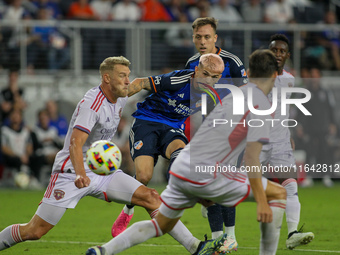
(96, 117)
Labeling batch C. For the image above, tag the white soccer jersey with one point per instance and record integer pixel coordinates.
(280, 133)
(95, 115)
(221, 144)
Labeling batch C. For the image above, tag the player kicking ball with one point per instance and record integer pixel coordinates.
(191, 183)
(96, 117)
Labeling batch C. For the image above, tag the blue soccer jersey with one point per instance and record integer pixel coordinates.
(171, 101)
(234, 72)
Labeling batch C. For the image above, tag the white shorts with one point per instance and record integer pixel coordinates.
(62, 192)
(225, 190)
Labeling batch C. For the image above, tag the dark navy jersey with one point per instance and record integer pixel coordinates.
(234, 72)
(171, 101)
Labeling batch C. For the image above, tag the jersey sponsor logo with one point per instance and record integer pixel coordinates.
(181, 95)
(58, 194)
(138, 145)
(172, 102)
(157, 80)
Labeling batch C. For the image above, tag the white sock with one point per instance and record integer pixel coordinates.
(270, 232)
(138, 233)
(230, 231)
(128, 211)
(10, 236)
(182, 235)
(293, 206)
(216, 234)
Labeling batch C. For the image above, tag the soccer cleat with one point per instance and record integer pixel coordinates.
(204, 211)
(121, 223)
(209, 247)
(96, 250)
(297, 238)
(229, 245)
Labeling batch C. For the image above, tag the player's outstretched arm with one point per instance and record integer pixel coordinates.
(78, 139)
(137, 85)
(252, 162)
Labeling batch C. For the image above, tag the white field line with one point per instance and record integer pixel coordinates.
(172, 245)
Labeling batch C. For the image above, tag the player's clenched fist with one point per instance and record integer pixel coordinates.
(82, 181)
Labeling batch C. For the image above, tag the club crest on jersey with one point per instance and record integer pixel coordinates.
(243, 73)
(198, 104)
(138, 145)
(58, 194)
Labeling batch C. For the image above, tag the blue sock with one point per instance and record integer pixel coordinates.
(228, 214)
(215, 218)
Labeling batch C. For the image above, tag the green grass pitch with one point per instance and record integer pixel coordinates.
(90, 223)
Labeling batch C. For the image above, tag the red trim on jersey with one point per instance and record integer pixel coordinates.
(172, 208)
(237, 135)
(99, 103)
(82, 129)
(96, 100)
(51, 185)
(155, 225)
(105, 196)
(82, 101)
(283, 70)
(276, 204)
(286, 182)
(242, 199)
(106, 95)
(153, 84)
(187, 180)
(62, 167)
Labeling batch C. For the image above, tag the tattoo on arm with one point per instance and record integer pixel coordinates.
(137, 85)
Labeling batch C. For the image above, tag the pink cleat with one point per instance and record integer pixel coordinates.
(121, 222)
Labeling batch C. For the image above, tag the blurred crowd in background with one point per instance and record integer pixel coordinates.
(48, 47)
(31, 149)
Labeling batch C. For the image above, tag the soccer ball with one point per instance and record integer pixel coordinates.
(103, 157)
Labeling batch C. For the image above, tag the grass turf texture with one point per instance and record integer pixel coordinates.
(90, 224)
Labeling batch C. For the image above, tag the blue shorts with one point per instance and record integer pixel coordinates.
(152, 138)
